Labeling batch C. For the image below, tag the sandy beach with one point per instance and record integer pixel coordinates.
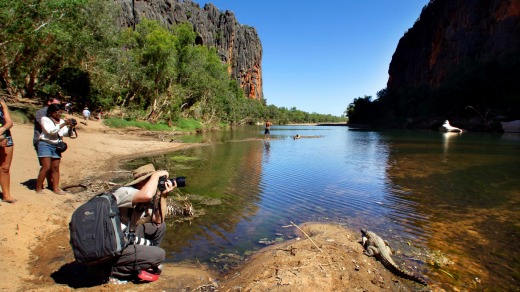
(36, 255)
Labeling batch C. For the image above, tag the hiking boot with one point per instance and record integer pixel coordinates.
(155, 270)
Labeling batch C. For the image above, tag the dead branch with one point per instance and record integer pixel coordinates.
(74, 186)
(307, 236)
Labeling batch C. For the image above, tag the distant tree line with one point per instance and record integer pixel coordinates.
(477, 93)
(74, 49)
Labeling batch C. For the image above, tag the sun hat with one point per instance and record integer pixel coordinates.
(141, 174)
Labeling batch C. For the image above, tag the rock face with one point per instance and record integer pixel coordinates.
(511, 127)
(452, 32)
(238, 45)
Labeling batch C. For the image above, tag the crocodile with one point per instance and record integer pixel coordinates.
(377, 247)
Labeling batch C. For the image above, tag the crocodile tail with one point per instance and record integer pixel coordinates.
(413, 277)
(402, 273)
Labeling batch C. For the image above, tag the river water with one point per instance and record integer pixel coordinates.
(449, 203)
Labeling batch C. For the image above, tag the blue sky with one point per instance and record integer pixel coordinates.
(320, 55)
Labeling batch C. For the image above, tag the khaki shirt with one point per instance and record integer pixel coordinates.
(128, 212)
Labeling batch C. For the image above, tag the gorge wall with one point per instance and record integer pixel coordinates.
(453, 32)
(238, 45)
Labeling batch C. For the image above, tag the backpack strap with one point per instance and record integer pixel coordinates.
(113, 214)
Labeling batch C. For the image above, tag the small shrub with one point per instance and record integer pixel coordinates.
(20, 117)
(189, 125)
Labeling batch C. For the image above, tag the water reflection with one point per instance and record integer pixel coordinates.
(267, 147)
(446, 138)
(469, 202)
(423, 191)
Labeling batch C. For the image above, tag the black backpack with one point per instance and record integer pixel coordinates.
(95, 230)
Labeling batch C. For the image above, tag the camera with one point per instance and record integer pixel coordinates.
(180, 180)
(73, 122)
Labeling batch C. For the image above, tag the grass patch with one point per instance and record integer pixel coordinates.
(188, 125)
(181, 159)
(20, 117)
(121, 123)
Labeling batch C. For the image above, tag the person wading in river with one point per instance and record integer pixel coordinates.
(267, 131)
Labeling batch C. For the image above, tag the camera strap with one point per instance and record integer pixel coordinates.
(130, 237)
(156, 204)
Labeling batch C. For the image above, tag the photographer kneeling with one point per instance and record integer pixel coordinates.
(134, 200)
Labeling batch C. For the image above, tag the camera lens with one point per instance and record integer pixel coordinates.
(181, 181)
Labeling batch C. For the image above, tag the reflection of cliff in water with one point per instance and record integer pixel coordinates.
(227, 172)
(423, 193)
(461, 195)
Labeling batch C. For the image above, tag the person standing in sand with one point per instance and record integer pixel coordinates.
(38, 130)
(53, 127)
(6, 152)
(86, 115)
(38, 117)
(68, 108)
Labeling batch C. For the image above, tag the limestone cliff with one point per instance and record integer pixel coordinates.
(453, 32)
(238, 45)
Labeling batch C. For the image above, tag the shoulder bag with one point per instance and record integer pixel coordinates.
(61, 146)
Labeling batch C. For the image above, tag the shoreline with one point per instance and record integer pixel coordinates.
(36, 255)
(97, 150)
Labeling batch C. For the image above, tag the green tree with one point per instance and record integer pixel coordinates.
(360, 110)
(40, 38)
(154, 73)
(148, 66)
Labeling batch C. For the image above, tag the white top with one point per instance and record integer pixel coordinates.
(86, 112)
(50, 130)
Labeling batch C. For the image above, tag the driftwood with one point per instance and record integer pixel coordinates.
(179, 208)
(307, 236)
(91, 187)
(176, 208)
(74, 186)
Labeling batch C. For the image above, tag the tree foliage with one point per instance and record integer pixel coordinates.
(40, 38)
(74, 49)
